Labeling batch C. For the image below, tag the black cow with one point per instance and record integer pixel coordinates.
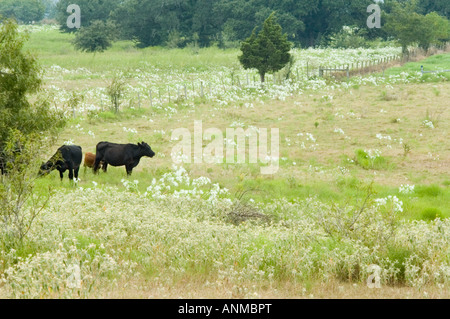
(67, 157)
(120, 154)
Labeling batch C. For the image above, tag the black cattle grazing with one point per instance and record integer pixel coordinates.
(120, 154)
(67, 157)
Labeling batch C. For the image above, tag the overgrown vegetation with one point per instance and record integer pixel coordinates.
(226, 22)
(345, 196)
(23, 126)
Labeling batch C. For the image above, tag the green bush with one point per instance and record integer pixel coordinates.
(431, 190)
(349, 37)
(399, 256)
(370, 159)
(431, 213)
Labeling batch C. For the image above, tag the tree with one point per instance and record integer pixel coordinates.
(408, 27)
(268, 51)
(24, 11)
(20, 77)
(151, 22)
(441, 7)
(24, 128)
(91, 10)
(97, 37)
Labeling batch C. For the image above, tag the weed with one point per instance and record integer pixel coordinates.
(430, 191)
(370, 159)
(406, 149)
(431, 213)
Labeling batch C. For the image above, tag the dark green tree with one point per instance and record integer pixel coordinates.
(24, 129)
(24, 11)
(19, 78)
(91, 10)
(441, 7)
(238, 17)
(97, 37)
(411, 28)
(151, 22)
(268, 51)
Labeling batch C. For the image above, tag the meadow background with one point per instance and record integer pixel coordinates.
(363, 180)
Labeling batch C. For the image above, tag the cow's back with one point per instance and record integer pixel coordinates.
(114, 153)
(71, 153)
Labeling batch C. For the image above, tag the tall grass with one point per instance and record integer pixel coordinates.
(55, 48)
(225, 225)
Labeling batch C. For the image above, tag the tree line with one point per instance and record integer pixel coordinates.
(177, 23)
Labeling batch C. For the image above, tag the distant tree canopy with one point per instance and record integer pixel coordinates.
(409, 27)
(222, 22)
(91, 10)
(23, 11)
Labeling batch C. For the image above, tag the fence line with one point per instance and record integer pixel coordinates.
(191, 89)
(366, 66)
(436, 71)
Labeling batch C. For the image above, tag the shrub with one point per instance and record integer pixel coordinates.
(348, 37)
(431, 191)
(431, 213)
(370, 159)
(97, 37)
(399, 257)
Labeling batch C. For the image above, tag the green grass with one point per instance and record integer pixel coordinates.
(175, 242)
(432, 63)
(54, 47)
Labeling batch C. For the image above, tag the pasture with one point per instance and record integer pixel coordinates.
(362, 180)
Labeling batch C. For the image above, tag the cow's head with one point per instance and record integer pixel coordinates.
(46, 168)
(146, 149)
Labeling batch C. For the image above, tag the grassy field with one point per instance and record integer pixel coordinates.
(225, 230)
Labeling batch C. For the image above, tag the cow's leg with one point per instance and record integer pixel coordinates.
(76, 171)
(97, 163)
(129, 168)
(104, 166)
(61, 174)
(71, 173)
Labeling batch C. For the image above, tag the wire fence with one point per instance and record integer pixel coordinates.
(227, 85)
